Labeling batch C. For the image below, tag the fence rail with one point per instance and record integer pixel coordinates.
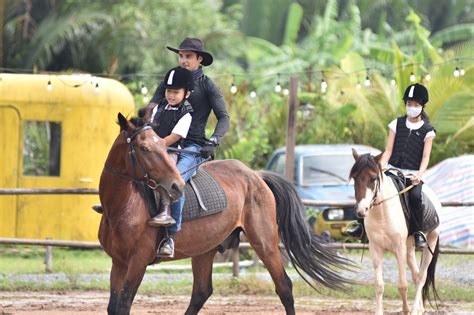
(49, 243)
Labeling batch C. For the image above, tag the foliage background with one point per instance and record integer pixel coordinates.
(254, 41)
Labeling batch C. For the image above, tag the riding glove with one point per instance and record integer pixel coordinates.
(209, 149)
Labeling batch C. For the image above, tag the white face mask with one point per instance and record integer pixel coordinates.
(413, 111)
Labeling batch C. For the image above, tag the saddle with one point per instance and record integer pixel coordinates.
(203, 197)
(430, 216)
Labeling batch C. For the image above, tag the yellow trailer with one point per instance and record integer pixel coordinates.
(55, 132)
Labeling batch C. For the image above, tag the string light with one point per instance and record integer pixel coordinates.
(427, 77)
(393, 82)
(456, 72)
(278, 86)
(286, 92)
(324, 86)
(50, 86)
(253, 94)
(358, 85)
(412, 77)
(462, 72)
(233, 87)
(367, 81)
(144, 90)
(145, 99)
(97, 89)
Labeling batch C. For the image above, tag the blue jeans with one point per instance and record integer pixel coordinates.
(185, 161)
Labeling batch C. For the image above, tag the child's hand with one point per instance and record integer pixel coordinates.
(415, 180)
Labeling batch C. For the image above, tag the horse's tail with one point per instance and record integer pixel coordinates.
(307, 251)
(430, 278)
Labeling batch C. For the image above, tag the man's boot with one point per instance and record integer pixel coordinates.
(166, 247)
(163, 218)
(420, 240)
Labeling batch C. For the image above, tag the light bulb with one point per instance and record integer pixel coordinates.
(97, 89)
(253, 94)
(427, 77)
(462, 72)
(145, 99)
(50, 86)
(286, 92)
(278, 87)
(393, 82)
(367, 81)
(233, 89)
(358, 86)
(412, 77)
(144, 90)
(456, 72)
(324, 86)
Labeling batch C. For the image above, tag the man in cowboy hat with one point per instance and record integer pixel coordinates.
(205, 97)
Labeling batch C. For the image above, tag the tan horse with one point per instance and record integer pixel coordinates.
(387, 231)
(262, 205)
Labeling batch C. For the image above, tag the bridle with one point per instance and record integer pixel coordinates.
(150, 182)
(374, 203)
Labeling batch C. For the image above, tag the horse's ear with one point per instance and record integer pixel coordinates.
(378, 157)
(354, 154)
(123, 122)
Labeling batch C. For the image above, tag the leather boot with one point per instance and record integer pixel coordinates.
(420, 240)
(163, 218)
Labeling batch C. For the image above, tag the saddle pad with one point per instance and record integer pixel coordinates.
(430, 216)
(208, 191)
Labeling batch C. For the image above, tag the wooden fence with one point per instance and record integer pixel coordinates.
(49, 243)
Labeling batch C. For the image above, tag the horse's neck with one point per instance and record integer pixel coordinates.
(388, 204)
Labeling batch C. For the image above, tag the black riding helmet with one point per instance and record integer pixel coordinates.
(179, 78)
(416, 92)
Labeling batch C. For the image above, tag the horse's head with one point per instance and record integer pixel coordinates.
(148, 158)
(365, 172)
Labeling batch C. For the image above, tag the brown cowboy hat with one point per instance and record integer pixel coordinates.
(196, 45)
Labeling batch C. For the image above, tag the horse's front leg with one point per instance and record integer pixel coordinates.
(117, 276)
(134, 274)
(401, 254)
(377, 261)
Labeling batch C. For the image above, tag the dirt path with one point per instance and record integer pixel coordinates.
(92, 303)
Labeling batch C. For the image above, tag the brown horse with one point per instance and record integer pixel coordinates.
(263, 205)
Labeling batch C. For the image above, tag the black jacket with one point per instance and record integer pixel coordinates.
(205, 97)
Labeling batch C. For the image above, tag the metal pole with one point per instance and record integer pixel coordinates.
(48, 257)
(290, 135)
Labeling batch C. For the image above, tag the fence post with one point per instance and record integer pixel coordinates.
(48, 257)
(235, 262)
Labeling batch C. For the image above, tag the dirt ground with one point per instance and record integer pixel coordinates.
(92, 303)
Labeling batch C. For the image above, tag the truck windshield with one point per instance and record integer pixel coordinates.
(327, 169)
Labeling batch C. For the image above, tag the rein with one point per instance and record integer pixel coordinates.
(374, 203)
(150, 182)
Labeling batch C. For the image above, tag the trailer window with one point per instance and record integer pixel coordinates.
(41, 148)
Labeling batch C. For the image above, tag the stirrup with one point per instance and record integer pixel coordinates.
(162, 248)
(354, 229)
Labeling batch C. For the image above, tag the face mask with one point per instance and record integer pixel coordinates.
(413, 111)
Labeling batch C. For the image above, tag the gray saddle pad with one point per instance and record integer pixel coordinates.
(430, 216)
(204, 197)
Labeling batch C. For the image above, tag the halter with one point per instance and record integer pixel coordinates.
(150, 182)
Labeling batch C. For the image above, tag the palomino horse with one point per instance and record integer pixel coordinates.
(386, 230)
(263, 205)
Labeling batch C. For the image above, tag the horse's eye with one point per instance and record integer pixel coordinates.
(373, 179)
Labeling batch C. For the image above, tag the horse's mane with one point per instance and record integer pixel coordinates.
(363, 162)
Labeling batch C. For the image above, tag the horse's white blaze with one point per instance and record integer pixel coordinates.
(155, 138)
(364, 204)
